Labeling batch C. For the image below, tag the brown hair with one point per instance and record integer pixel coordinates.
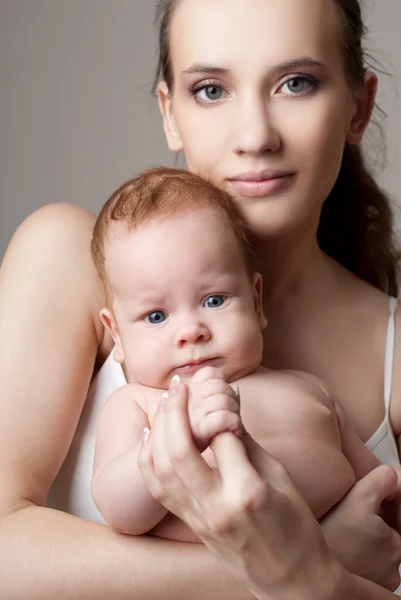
(356, 223)
(161, 193)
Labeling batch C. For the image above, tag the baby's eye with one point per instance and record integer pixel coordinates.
(214, 301)
(156, 317)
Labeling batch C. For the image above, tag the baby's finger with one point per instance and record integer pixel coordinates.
(208, 373)
(217, 422)
(214, 403)
(212, 387)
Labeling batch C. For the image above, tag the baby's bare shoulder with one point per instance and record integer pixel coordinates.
(147, 398)
(284, 397)
(131, 392)
(288, 384)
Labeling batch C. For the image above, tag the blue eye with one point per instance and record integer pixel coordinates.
(211, 92)
(156, 317)
(214, 301)
(300, 84)
(207, 91)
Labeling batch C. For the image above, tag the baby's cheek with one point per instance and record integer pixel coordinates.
(246, 347)
(146, 370)
(253, 347)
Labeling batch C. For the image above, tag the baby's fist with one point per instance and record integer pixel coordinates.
(213, 407)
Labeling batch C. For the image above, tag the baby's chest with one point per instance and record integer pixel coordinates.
(290, 418)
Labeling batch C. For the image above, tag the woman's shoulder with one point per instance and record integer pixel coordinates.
(50, 251)
(55, 228)
(67, 217)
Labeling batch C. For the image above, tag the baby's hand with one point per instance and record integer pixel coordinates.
(213, 407)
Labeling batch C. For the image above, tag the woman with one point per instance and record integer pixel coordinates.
(230, 71)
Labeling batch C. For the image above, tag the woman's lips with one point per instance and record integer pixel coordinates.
(259, 188)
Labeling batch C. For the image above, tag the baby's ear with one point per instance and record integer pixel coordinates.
(257, 291)
(109, 322)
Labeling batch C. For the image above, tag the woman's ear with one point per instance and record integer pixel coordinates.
(257, 290)
(364, 102)
(169, 124)
(109, 322)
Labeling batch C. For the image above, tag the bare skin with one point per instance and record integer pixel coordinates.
(227, 508)
(300, 425)
(64, 232)
(52, 246)
(51, 339)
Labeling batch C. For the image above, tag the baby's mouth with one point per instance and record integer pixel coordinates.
(194, 365)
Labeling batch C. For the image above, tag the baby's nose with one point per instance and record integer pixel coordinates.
(192, 333)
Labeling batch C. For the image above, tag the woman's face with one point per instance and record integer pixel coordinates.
(260, 104)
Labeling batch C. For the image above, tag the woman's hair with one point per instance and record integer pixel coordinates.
(161, 193)
(356, 223)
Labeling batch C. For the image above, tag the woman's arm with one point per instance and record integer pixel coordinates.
(49, 334)
(246, 511)
(48, 554)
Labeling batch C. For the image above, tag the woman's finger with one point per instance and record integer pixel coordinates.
(145, 464)
(232, 459)
(185, 460)
(244, 488)
(377, 486)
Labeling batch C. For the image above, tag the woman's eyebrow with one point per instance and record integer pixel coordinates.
(304, 61)
(296, 63)
(199, 68)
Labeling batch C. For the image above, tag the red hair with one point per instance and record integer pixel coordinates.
(161, 193)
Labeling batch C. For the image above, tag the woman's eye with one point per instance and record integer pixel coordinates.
(214, 301)
(207, 93)
(298, 85)
(156, 317)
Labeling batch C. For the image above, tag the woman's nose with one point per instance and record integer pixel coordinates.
(256, 132)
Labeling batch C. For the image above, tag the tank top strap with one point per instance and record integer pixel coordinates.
(389, 357)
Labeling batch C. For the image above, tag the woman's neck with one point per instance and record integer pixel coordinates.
(292, 267)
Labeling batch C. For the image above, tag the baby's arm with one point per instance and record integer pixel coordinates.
(118, 488)
(298, 423)
(360, 458)
(363, 461)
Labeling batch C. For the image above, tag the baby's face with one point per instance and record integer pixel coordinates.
(182, 299)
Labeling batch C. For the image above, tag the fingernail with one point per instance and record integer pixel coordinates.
(162, 402)
(174, 384)
(237, 391)
(146, 436)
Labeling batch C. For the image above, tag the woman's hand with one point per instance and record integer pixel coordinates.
(247, 511)
(356, 533)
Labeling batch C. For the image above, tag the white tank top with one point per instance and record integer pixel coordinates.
(71, 492)
(382, 443)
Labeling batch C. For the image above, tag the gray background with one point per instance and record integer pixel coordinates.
(76, 114)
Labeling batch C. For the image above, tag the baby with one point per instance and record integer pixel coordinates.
(184, 299)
